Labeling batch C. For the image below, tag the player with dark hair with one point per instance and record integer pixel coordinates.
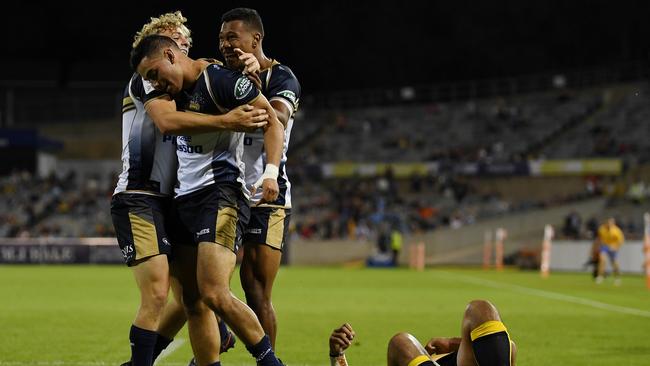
(266, 233)
(210, 195)
(484, 341)
(140, 206)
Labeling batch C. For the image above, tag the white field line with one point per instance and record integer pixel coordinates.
(550, 295)
(176, 344)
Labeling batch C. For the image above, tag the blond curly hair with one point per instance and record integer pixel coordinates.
(168, 21)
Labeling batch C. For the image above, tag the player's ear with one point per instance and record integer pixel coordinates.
(257, 38)
(169, 55)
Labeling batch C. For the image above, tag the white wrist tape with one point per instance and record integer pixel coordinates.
(270, 172)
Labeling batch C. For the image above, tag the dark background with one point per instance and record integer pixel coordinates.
(341, 45)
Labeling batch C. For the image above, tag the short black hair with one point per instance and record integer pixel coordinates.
(249, 16)
(147, 46)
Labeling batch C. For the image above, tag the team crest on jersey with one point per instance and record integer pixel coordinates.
(243, 86)
(195, 103)
(289, 95)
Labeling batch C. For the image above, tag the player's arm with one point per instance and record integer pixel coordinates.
(273, 143)
(441, 345)
(620, 237)
(284, 93)
(340, 339)
(282, 111)
(163, 112)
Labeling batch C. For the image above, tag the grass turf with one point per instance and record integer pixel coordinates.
(80, 315)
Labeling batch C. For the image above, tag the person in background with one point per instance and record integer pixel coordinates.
(610, 237)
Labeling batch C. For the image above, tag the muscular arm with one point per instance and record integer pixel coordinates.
(170, 121)
(282, 111)
(273, 132)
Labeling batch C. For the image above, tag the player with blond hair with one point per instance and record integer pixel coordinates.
(141, 203)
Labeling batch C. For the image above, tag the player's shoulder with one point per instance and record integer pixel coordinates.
(282, 71)
(137, 87)
(212, 61)
(219, 68)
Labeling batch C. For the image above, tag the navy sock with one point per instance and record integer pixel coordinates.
(263, 353)
(218, 363)
(161, 343)
(223, 330)
(142, 344)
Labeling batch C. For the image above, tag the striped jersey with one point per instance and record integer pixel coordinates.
(148, 156)
(214, 157)
(278, 83)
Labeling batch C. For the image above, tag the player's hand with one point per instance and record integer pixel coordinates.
(438, 346)
(251, 67)
(251, 64)
(270, 190)
(341, 339)
(247, 118)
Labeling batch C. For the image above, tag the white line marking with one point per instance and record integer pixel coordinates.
(171, 348)
(550, 295)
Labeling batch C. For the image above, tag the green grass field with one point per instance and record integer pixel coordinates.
(80, 315)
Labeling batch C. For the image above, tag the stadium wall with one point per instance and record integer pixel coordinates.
(572, 255)
(444, 246)
(524, 231)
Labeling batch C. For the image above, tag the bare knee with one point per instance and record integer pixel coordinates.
(402, 348)
(155, 297)
(218, 301)
(479, 312)
(398, 341)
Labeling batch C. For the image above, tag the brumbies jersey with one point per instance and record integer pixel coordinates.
(215, 157)
(278, 83)
(148, 156)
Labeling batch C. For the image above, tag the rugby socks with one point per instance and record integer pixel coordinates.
(263, 353)
(491, 344)
(218, 363)
(142, 345)
(161, 343)
(223, 328)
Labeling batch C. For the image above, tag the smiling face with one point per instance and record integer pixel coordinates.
(162, 70)
(236, 34)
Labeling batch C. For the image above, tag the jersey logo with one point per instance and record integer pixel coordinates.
(243, 86)
(289, 95)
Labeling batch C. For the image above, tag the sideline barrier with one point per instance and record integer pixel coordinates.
(545, 265)
(416, 256)
(60, 251)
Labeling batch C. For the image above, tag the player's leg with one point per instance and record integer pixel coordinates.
(152, 278)
(264, 239)
(218, 231)
(201, 321)
(615, 267)
(602, 262)
(214, 270)
(406, 350)
(484, 338)
(139, 225)
(173, 316)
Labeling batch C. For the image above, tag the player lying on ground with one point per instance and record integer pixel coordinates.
(484, 341)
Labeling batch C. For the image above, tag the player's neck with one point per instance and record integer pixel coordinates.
(196, 68)
(265, 62)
